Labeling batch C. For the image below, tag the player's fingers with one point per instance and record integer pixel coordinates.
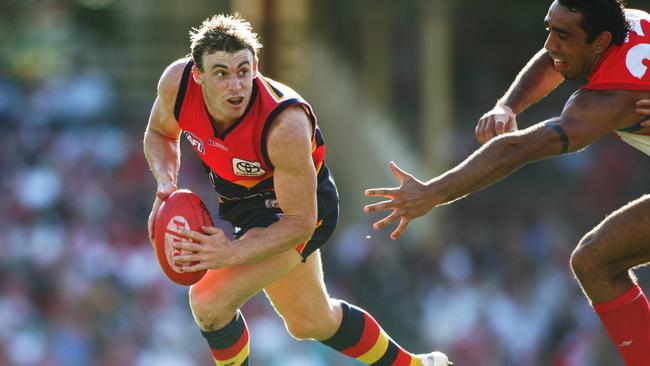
(381, 206)
(196, 267)
(403, 223)
(380, 192)
(189, 246)
(211, 230)
(643, 102)
(193, 235)
(386, 221)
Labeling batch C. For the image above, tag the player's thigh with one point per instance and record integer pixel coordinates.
(301, 297)
(230, 287)
(623, 238)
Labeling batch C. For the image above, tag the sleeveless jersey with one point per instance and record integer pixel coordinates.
(236, 160)
(627, 67)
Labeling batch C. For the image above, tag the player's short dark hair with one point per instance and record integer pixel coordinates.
(229, 33)
(601, 16)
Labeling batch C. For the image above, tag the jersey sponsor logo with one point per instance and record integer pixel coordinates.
(245, 168)
(217, 144)
(196, 142)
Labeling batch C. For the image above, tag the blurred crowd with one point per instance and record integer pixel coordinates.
(80, 285)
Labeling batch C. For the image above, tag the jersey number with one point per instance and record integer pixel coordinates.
(637, 55)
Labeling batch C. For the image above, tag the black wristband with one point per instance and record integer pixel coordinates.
(564, 139)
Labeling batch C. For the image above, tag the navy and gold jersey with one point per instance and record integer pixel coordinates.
(236, 159)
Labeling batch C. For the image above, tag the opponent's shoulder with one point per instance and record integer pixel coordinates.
(170, 81)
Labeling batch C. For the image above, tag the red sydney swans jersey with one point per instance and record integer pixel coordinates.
(626, 67)
(236, 159)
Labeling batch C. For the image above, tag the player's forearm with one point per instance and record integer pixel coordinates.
(285, 234)
(534, 82)
(163, 156)
(492, 162)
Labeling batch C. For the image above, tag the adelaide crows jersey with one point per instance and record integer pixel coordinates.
(236, 160)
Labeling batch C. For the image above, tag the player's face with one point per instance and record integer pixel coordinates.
(227, 83)
(567, 42)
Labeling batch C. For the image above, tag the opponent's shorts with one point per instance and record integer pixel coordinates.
(266, 212)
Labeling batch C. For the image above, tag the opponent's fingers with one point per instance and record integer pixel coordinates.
(403, 223)
(380, 192)
(646, 123)
(386, 221)
(643, 111)
(643, 102)
(398, 172)
(381, 206)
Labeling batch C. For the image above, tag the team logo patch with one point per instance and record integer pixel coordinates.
(271, 203)
(245, 168)
(196, 142)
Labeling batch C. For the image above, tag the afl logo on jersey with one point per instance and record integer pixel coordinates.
(245, 168)
(196, 142)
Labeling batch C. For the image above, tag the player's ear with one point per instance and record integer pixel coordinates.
(196, 74)
(602, 42)
(255, 61)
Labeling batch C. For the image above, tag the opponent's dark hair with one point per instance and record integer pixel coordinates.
(229, 33)
(601, 16)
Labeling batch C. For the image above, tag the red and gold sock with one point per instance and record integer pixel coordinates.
(361, 337)
(229, 345)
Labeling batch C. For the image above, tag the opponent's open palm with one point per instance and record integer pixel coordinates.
(407, 202)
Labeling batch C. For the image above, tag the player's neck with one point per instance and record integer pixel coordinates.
(220, 122)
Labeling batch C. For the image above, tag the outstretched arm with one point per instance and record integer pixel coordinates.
(534, 82)
(587, 116)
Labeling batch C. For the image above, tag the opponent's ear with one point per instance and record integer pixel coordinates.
(602, 42)
(197, 75)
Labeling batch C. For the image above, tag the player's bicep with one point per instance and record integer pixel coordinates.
(162, 120)
(588, 115)
(294, 176)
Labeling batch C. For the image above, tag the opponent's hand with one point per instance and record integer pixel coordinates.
(643, 107)
(211, 249)
(499, 120)
(407, 202)
(163, 192)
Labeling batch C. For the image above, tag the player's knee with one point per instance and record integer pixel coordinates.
(584, 259)
(211, 311)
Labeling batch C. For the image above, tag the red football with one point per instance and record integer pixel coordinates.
(183, 209)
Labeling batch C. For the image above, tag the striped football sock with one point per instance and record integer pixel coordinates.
(229, 345)
(361, 337)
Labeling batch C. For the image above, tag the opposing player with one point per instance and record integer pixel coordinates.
(610, 46)
(264, 155)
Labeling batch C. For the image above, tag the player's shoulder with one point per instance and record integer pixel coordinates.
(170, 80)
(291, 125)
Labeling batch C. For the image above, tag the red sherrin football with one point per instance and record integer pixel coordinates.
(183, 209)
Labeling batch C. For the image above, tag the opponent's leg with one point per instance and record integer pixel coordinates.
(301, 299)
(602, 263)
(215, 301)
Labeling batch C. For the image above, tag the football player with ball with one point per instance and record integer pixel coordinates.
(264, 154)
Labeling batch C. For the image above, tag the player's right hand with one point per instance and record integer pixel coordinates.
(499, 120)
(162, 193)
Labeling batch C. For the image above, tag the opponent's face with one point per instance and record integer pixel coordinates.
(567, 42)
(227, 83)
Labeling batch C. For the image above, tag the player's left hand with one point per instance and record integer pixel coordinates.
(408, 201)
(211, 249)
(643, 107)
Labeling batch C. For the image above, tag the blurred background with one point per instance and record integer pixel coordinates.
(486, 279)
